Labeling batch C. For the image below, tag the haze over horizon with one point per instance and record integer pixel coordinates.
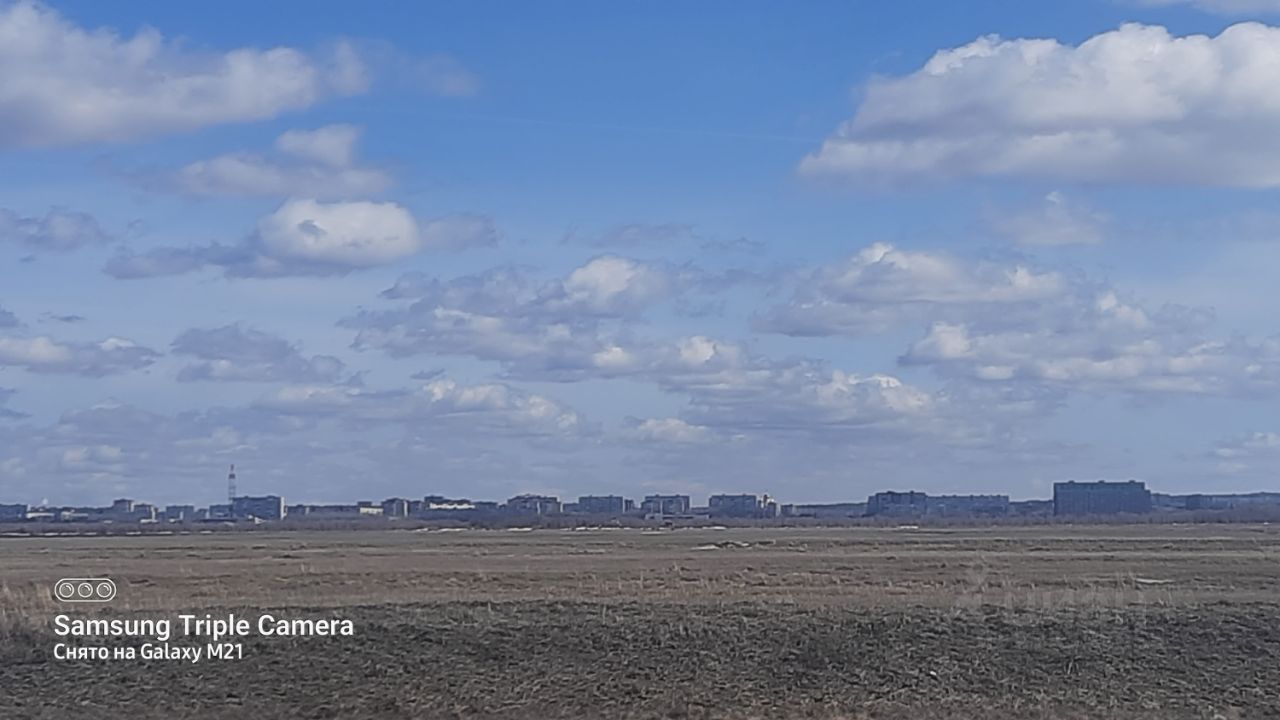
(815, 250)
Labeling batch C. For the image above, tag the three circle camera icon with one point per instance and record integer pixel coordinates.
(84, 590)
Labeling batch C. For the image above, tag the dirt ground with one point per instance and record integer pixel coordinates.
(1054, 622)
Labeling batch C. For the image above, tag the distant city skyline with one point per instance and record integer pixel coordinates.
(1070, 500)
(813, 249)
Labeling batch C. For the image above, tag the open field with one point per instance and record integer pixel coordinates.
(1153, 621)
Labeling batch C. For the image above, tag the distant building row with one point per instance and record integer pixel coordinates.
(273, 508)
(1070, 499)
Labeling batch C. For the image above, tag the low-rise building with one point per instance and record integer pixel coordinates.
(14, 512)
(830, 510)
(335, 512)
(1231, 501)
(1031, 508)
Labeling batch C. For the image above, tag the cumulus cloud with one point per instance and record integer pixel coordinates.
(481, 408)
(309, 237)
(348, 234)
(59, 230)
(567, 327)
(1105, 343)
(551, 331)
(63, 84)
(1135, 104)
(667, 430)
(1053, 221)
(43, 354)
(235, 353)
(882, 286)
(307, 441)
(318, 163)
(162, 261)
(1250, 453)
(999, 322)
(604, 286)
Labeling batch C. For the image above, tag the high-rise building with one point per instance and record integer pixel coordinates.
(666, 505)
(734, 506)
(179, 513)
(267, 507)
(534, 505)
(605, 504)
(1100, 498)
(395, 507)
(897, 504)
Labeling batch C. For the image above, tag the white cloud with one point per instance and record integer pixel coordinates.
(60, 230)
(882, 286)
(347, 234)
(612, 285)
(1003, 323)
(62, 84)
(43, 354)
(604, 286)
(1255, 454)
(310, 237)
(1107, 346)
(1054, 221)
(1134, 104)
(567, 328)
(481, 408)
(669, 430)
(251, 175)
(316, 164)
(333, 145)
(235, 353)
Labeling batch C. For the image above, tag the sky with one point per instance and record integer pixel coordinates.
(815, 250)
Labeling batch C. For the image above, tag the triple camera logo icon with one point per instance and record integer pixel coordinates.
(84, 590)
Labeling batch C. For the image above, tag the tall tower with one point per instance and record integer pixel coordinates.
(231, 484)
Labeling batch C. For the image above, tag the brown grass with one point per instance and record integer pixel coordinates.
(1151, 621)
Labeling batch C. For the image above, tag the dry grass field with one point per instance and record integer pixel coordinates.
(1153, 621)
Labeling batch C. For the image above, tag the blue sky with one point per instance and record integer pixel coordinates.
(815, 250)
